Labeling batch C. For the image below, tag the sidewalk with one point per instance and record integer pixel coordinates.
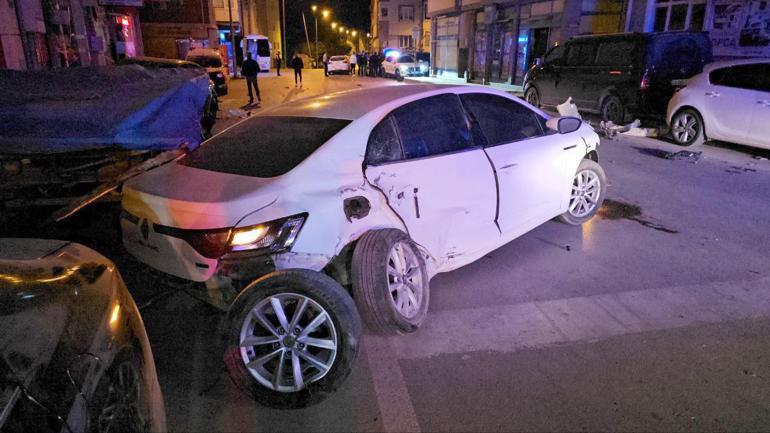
(511, 88)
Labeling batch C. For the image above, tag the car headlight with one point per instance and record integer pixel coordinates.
(403, 67)
(275, 236)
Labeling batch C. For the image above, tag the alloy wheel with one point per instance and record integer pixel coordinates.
(121, 411)
(685, 128)
(405, 280)
(586, 188)
(288, 341)
(533, 98)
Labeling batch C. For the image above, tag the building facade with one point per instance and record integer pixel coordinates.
(498, 41)
(170, 28)
(262, 17)
(36, 34)
(401, 24)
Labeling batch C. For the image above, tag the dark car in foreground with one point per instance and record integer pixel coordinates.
(619, 76)
(74, 355)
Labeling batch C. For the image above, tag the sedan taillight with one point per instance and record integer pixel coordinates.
(209, 243)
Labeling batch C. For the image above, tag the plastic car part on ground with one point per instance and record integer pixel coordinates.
(611, 130)
(568, 108)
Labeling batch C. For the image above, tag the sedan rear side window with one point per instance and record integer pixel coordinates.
(264, 146)
(433, 126)
(501, 119)
(383, 144)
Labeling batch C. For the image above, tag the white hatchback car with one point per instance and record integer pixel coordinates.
(374, 191)
(339, 65)
(728, 101)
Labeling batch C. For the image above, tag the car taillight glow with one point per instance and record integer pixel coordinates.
(209, 243)
(645, 83)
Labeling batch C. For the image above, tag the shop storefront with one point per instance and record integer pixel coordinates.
(740, 28)
(445, 47)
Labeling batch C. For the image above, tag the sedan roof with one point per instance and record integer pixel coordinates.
(734, 62)
(352, 104)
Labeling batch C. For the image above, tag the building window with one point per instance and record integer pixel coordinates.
(405, 41)
(384, 12)
(671, 15)
(406, 13)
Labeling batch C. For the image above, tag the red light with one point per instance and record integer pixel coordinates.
(645, 83)
(125, 21)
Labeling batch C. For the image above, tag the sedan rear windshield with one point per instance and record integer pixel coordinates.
(337, 58)
(264, 146)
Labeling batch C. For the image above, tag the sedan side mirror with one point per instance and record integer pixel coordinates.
(564, 125)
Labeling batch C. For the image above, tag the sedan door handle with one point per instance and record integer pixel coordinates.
(712, 94)
(766, 102)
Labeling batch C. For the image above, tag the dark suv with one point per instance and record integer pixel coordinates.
(618, 76)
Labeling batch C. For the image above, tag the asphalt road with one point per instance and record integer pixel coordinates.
(654, 316)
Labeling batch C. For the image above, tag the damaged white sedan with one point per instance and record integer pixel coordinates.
(370, 192)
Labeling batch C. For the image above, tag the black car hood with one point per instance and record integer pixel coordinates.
(43, 291)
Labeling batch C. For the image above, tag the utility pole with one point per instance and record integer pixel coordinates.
(304, 22)
(232, 36)
(283, 15)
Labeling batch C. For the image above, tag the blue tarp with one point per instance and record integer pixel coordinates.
(127, 107)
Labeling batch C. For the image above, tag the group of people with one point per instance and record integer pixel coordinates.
(362, 63)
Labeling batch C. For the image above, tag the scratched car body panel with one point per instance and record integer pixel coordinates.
(367, 193)
(465, 205)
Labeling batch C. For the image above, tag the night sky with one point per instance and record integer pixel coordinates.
(350, 13)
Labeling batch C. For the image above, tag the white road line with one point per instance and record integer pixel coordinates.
(513, 327)
(393, 399)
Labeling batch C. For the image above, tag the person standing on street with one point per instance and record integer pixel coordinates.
(297, 64)
(249, 71)
(326, 64)
(362, 61)
(353, 61)
(278, 63)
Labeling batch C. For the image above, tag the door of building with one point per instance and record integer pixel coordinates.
(502, 53)
(530, 45)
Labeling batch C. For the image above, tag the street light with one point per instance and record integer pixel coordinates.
(325, 13)
(313, 8)
(334, 26)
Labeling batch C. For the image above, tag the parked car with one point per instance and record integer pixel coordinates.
(728, 101)
(619, 76)
(376, 190)
(339, 64)
(209, 117)
(74, 355)
(404, 66)
(211, 59)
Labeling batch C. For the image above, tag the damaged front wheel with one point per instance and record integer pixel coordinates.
(390, 283)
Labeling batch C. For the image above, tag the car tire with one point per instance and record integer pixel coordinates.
(387, 261)
(398, 75)
(687, 128)
(589, 187)
(613, 110)
(116, 404)
(532, 97)
(253, 330)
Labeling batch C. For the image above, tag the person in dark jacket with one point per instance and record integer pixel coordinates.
(278, 63)
(297, 64)
(362, 62)
(249, 70)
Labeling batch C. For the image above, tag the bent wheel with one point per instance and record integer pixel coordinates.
(292, 337)
(390, 282)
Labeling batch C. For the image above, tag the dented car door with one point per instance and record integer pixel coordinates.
(438, 181)
(530, 163)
